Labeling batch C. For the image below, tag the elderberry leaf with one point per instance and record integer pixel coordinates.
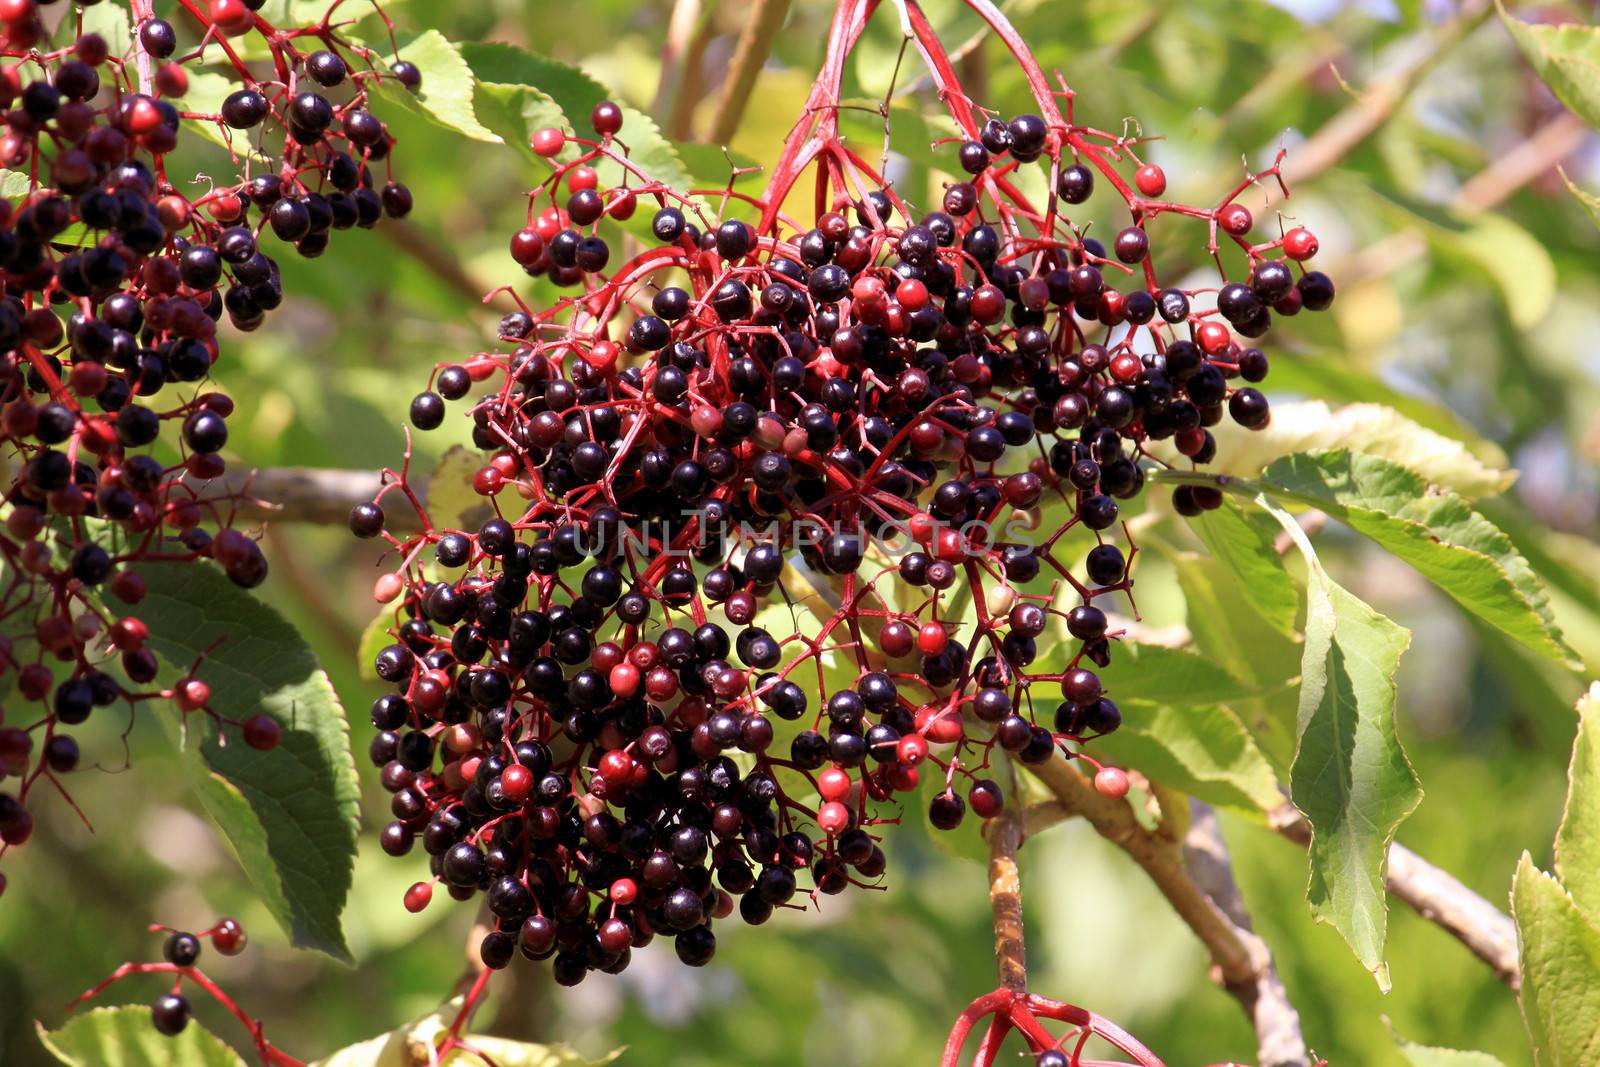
(1566, 57)
(1590, 202)
(289, 813)
(1228, 631)
(1435, 531)
(1238, 541)
(448, 87)
(1372, 429)
(452, 502)
(111, 22)
(1329, 375)
(516, 85)
(207, 90)
(1350, 776)
(1578, 839)
(1425, 1056)
(374, 639)
(417, 1042)
(1560, 965)
(14, 184)
(127, 1037)
(1157, 674)
(1200, 749)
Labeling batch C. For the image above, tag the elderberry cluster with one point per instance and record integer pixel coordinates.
(112, 286)
(606, 715)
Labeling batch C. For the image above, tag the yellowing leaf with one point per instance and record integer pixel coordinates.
(1367, 428)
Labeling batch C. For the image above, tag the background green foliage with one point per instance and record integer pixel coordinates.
(1478, 325)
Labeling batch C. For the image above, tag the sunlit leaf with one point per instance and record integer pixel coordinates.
(127, 1037)
(1200, 749)
(1238, 540)
(1435, 531)
(446, 95)
(1313, 425)
(418, 1041)
(1350, 776)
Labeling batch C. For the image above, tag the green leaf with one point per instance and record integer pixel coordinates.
(516, 112)
(127, 1037)
(374, 639)
(111, 22)
(1350, 776)
(1229, 631)
(1373, 429)
(1566, 57)
(418, 1041)
(1157, 674)
(1560, 962)
(1424, 1056)
(1578, 839)
(1238, 540)
(452, 502)
(1590, 202)
(207, 90)
(290, 813)
(1201, 749)
(448, 86)
(1433, 530)
(574, 93)
(14, 183)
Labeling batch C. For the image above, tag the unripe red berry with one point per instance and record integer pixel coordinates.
(228, 937)
(616, 766)
(833, 784)
(912, 750)
(1300, 243)
(833, 817)
(1111, 782)
(1235, 219)
(549, 142)
(516, 781)
(932, 638)
(191, 693)
(231, 17)
(417, 896)
(1151, 180)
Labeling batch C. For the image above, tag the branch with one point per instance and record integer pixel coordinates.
(681, 84)
(297, 494)
(755, 45)
(1278, 1037)
(1243, 965)
(142, 11)
(1004, 832)
(1437, 896)
(1366, 115)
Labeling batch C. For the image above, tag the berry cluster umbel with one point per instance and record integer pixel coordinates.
(585, 719)
(112, 284)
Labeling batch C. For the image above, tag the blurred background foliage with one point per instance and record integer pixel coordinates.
(1424, 151)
